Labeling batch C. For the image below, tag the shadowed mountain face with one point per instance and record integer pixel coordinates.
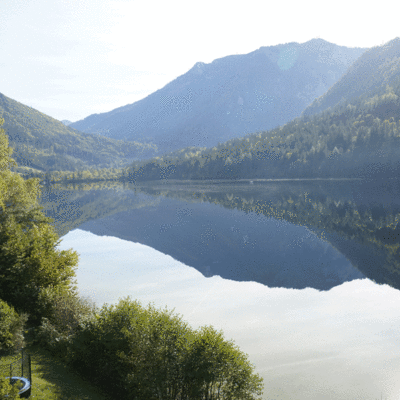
(358, 137)
(376, 67)
(230, 97)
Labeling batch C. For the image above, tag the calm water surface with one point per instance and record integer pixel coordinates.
(304, 276)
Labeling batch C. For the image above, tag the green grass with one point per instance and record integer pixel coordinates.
(52, 380)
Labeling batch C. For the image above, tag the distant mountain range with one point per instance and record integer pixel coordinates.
(230, 97)
(351, 131)
(66, 122)
(331, 117)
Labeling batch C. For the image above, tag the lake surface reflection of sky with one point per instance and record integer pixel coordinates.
(307, 344)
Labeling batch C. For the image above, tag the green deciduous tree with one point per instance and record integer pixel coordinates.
(145, 353)
(11, 328)
(217, 369)
(30, 262)
(29, 258)
(64, 313)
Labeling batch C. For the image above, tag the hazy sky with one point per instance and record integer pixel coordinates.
(69, 59)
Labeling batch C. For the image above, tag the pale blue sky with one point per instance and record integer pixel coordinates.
(70, 59)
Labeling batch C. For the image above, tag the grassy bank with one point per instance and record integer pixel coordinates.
(52, 380)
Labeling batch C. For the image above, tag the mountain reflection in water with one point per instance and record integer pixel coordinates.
(291, 234)
(232, 244)
(297, 239)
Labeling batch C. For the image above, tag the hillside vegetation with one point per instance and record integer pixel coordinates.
(353, 140)
(349, 142)
(42, 143)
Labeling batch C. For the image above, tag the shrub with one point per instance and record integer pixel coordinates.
(30, 260)
(11, 328)
(216, 367)
(63, 308)
(50, 338)
(145, 353)
(62, 312)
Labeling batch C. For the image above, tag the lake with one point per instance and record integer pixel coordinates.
(303, 275)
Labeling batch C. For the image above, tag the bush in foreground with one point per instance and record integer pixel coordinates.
(62, 312)
(145, 353)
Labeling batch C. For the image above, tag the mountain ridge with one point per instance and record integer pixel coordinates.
(350, 86)
(229, 97)
(356, 138)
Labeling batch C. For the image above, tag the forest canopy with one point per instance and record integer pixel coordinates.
(29, 258)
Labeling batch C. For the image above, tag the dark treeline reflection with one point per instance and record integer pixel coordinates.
(292, 234)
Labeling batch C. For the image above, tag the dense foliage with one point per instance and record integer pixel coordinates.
(62, 312)
(11, 328)
(29, 258)
(145, 353)
(30, 261)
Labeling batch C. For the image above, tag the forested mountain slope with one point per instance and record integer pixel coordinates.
(376, 67)
(360, 138)
(230, 97)
(44, 143)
